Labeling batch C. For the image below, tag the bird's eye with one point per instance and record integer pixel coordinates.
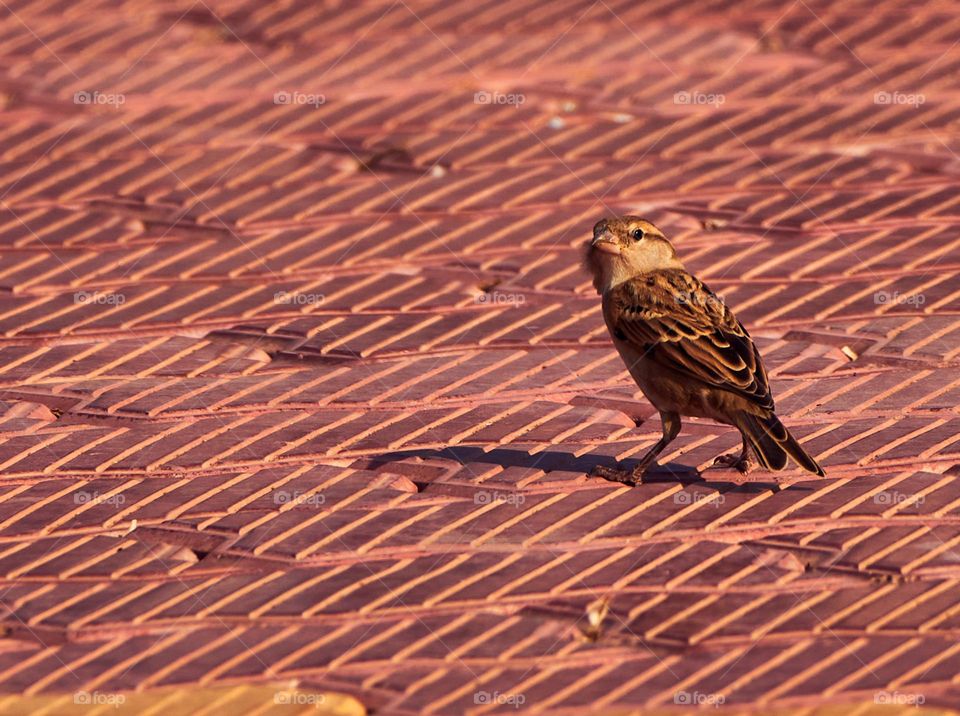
(637, 234)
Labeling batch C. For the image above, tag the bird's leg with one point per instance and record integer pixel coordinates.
(671, 428)
(743, 462)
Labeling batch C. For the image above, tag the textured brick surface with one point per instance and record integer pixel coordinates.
(302, 379)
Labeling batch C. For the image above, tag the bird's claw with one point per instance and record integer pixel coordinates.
(737, 461)
(631, 478)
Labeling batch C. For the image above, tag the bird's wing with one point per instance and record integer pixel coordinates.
(673, 318)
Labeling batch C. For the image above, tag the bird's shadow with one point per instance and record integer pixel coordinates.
(555, 461)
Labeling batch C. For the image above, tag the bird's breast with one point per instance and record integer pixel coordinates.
(669, 390)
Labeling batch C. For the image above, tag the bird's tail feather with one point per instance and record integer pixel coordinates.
(772, 443)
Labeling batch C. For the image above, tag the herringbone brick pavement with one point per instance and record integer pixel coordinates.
(302, 378)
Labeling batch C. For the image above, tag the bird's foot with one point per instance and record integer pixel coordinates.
(617, 474)
(738, 461)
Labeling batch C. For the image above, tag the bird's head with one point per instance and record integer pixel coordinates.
(624, 247)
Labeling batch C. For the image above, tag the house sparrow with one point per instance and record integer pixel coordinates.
(685, 349)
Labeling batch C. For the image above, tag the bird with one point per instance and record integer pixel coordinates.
(684, 347)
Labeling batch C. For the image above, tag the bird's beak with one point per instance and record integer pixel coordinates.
(606, 243)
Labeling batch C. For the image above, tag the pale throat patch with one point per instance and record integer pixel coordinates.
(611, 271)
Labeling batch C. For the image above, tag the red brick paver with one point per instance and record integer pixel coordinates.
(302, 379)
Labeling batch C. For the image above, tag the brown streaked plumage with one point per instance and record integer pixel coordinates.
(685, 349)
